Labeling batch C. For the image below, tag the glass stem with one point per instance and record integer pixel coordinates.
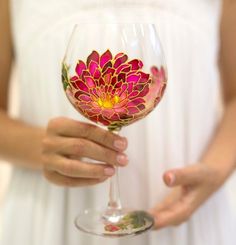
(114, 209)
(114, 203)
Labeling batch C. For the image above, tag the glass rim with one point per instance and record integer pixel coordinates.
(115, 23)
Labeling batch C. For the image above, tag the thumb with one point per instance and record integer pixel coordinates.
(189, 175)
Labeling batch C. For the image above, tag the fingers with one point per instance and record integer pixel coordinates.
(190, 175)
(62, 180)
(173, 215)
(78, 148)
(76, 168)
(71, 128)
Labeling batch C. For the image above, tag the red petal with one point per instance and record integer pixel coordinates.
(80, 67)
(141, 107)
(109, 70)
(82, 86)
(144, 91)
(133, 94)
(79, 92)
(85, 73)
(123, 68)
(106, 57)
(108, 64)
(97, 74)
(130, 87)
(119, 55)
(144, 77)
(101, 82)
(93, 56)
(120, 60)
(136, 64)
(136, 102)
(122, 77)
(103, 121)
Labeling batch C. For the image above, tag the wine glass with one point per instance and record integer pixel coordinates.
(114, 75)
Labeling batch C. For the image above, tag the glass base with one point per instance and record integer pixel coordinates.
(112, 223)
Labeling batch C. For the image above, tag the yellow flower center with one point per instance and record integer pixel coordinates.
(108, 101)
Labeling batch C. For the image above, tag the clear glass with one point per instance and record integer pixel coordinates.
(114, 75)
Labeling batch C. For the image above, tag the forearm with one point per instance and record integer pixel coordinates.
(221, 153)
(20, 143)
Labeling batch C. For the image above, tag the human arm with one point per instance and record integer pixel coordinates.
(193, 185)
(56, 150)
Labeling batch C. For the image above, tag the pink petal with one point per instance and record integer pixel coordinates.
(84, 97)
(106, 57)
(132, 110)
(108, 113)
(121, 104)
(133, 78)
(90, 82)
(119, 55)
(84, 106)
(93, 56)
(80, 67)
(115, 117)
(154, 71)
(120, 61)
(136, 64)
(141, 107)
(96, 110)
(136, 102)
(123, 88)
(92, 67)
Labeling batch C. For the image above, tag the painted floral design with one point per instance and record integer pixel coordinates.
(133, 220)
(113, 91)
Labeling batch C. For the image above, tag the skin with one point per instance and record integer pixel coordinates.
(193, 185)
(59, 149)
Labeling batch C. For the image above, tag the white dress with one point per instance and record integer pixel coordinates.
(37, 212)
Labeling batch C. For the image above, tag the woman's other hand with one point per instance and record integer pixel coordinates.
(192, 186)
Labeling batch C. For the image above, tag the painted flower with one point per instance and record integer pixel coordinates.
(111, 90)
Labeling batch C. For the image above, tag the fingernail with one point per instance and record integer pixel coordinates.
(122, 159)
(170, 178)
(109, 171)
(120, 144)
